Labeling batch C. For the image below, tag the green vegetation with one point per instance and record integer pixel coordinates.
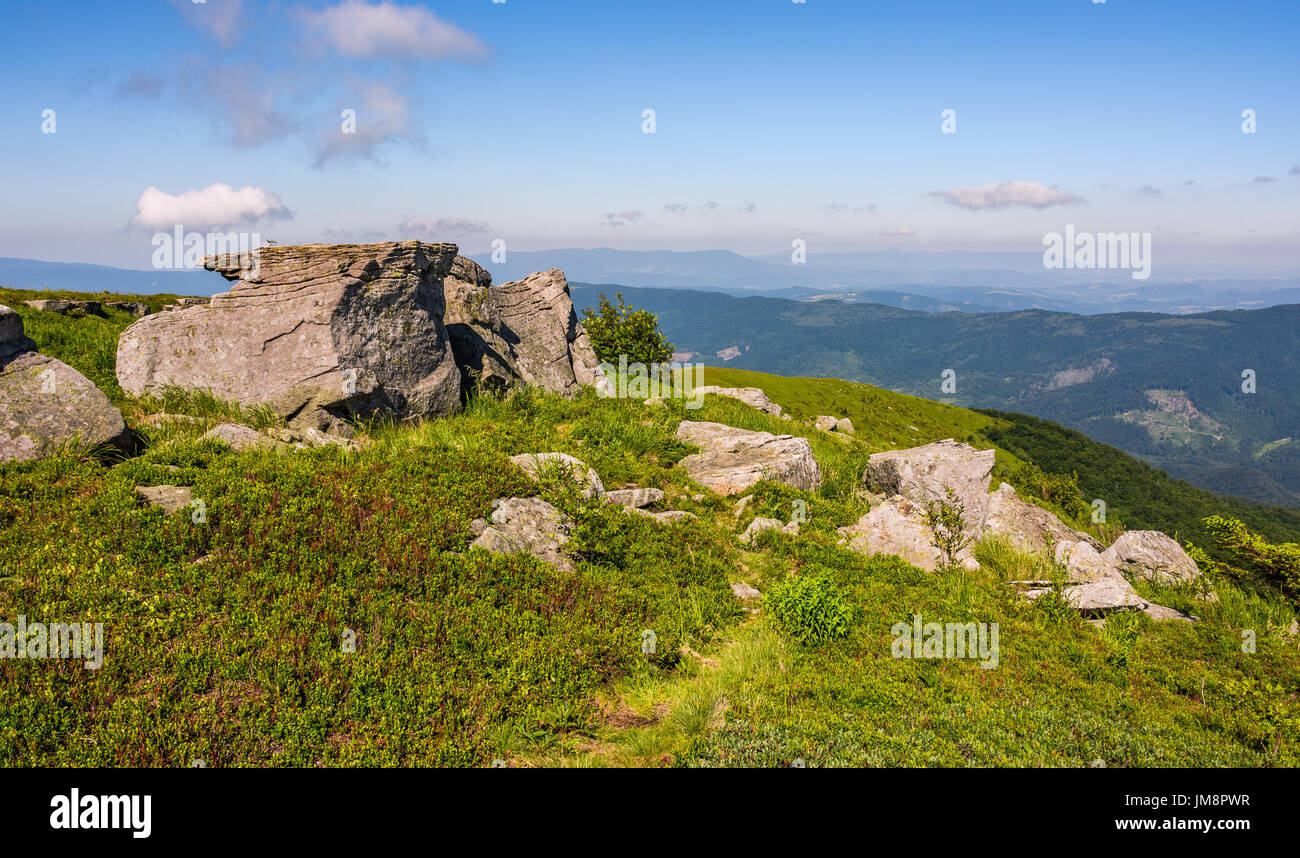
(326, 608)
(1141, 496)
(623, 330)
(1081, 371)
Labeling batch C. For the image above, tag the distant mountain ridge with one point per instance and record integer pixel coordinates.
(1163, 387)
(87, 277)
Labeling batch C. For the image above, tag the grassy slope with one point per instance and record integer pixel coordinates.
(464, 657)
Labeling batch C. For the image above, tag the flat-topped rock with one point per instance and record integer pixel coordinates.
(751, 396)
(170, 498)
(317, 332)
(634, 498)
(731, 460)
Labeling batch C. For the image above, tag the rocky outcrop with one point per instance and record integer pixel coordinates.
(525, 331)
(1028, 527)
(924, 474)
(731, 460)
(525, 526)
(317, 332)
(754, 397)
(538, 465)
(44, 402)
(1151, 554)
(897, 526)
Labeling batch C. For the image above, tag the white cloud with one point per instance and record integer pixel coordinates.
(221, 18)
(215, 205)
(441, 227)
(387, 31)
(901, 232)
(996, 195)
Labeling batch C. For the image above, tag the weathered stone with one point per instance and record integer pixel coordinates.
(536, 465)
(65, 306)
(757, 526)
(844, 425)
(637, 498)
(731, 460)
(523, 331)
(826, 423)
(1151, 554)
(751, 396)
(241, 437)
(923, 474)
(12, 338)
(744, 592)
(1028, 527)
(1104, 596)
(317, 332)
(1082, 561)
(527, 526)
(44, 402)
(897, 526)
(170, 498)
(133, 307)
(1160, 612)
(665, 517)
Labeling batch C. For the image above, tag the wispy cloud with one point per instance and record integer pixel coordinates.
(900, 232)
(387, 31)
(442, 227)
(996, 195)
(621, 218)
(1264, 180)
(675, 208)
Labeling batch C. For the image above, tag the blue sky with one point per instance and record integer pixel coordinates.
(775, 120)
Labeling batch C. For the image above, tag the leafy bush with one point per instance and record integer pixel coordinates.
(946, 521)
(625, 330)
(1278, 564)
(809, 608)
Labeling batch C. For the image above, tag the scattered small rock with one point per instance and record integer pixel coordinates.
(170, 498)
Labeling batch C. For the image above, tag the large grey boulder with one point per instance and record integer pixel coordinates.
(897, 526)
(1151, 554)
(525, 526)
(1028, 527)
(525, 331)
(44, 402)
(754, 397)
(316, 331)
(924, 474)
(731, 460)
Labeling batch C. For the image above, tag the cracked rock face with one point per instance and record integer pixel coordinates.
(44, 402)
(921, 474)
(1152, 554)
(316, 331)
(731, 460)
(523, 331)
